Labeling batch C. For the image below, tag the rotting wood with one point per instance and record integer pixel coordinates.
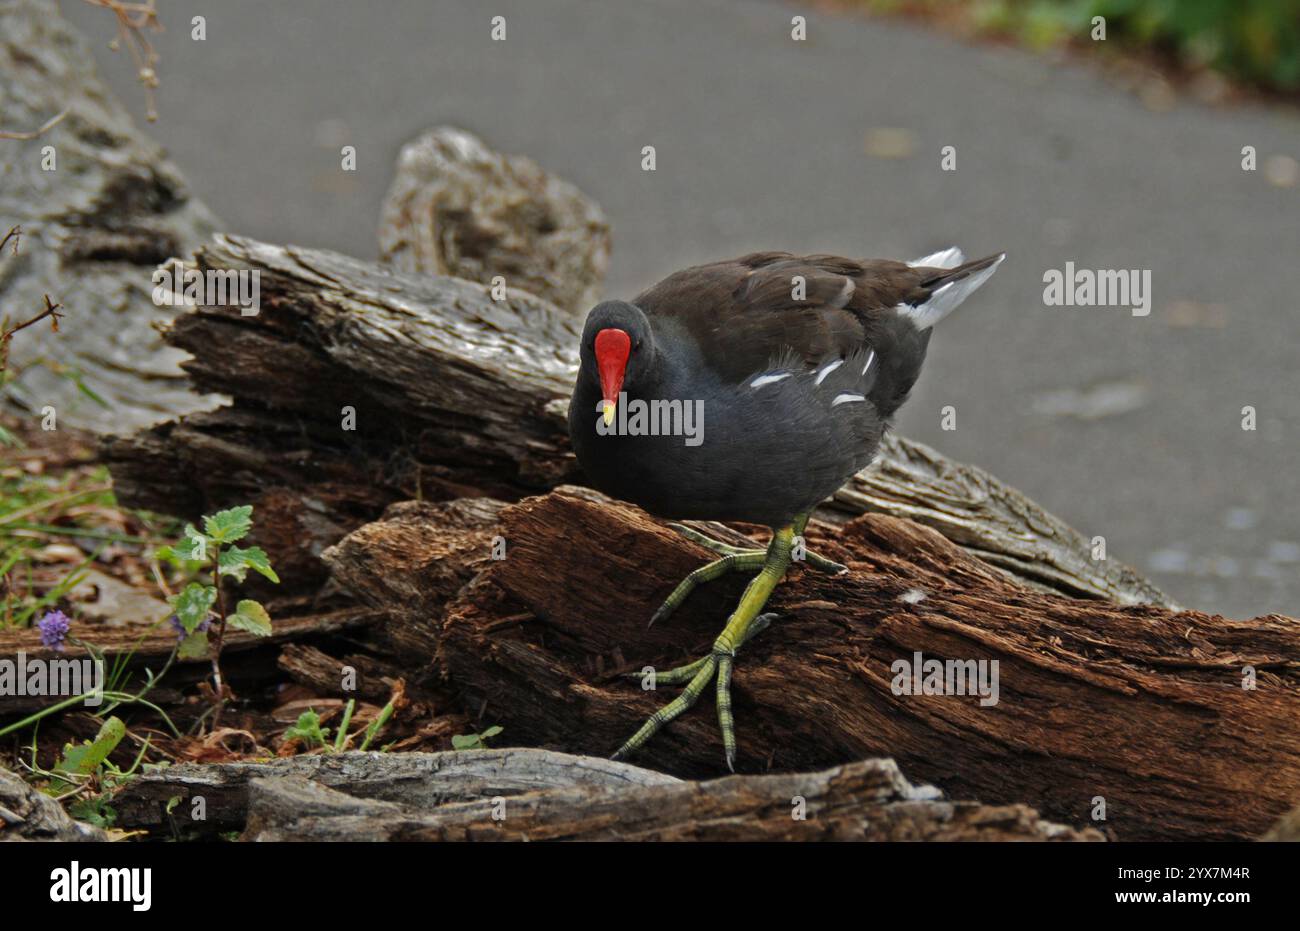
(1138, 705)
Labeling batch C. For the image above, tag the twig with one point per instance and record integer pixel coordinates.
(51, 311)
(44, 128)
(16, 234)
(132, 20)
(217, 679)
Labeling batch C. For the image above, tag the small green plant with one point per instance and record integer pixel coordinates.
(201, 606)
(85, 774)
(308, 731)
(475, 741)
(312, 736)
(84, 759)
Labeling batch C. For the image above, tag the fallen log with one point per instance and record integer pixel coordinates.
(1135, 711)
(454, 394)
(539, 795)
(418, 779)
(28, 814)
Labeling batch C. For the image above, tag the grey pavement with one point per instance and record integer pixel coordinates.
(1127, 427)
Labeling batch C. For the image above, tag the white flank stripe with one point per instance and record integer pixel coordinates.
(821, 376)
(846, 399)
(871, 357)
(762, 380)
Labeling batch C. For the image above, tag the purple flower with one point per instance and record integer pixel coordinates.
(54, 629)
(180, 628)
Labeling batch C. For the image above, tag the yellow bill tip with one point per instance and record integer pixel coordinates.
(609, 413)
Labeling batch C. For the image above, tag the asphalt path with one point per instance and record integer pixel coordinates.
(1129, 427)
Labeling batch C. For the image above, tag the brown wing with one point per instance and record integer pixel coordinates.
(746, 312)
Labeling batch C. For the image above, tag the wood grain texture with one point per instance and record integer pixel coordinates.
(457, 395)
(1139, 706)
(520, 794)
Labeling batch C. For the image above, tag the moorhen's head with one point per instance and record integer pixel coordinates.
(617, 349)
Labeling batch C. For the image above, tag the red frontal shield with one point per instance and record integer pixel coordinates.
(612, 349)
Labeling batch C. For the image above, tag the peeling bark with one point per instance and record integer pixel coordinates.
(1138, 705)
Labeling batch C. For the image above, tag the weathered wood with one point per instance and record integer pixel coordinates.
(990, 520)
(1137, 705)
(28, 814)
(446, 404)
(93, 230)
(522, 794)
(456, 207)
(419, 779)
(868, 801)
(458, 395)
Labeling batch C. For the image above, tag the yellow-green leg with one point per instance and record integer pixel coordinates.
(733, 559)
(741, 626)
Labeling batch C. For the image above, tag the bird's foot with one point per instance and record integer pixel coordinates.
(744, 623)
(697, 676)
(734, 559)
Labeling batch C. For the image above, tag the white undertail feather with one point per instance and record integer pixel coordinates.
(946, 258)
(945, 300)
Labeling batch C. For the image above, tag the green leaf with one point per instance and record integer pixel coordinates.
(194, 646)
(308, 730)
(252, 617)
(94, 810)
(194, 548)
(193, 604)
(229, 525)
(236, 562)
(88, 756)
(475, 741)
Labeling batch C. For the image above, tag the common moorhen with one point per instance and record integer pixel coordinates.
(796, 365)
